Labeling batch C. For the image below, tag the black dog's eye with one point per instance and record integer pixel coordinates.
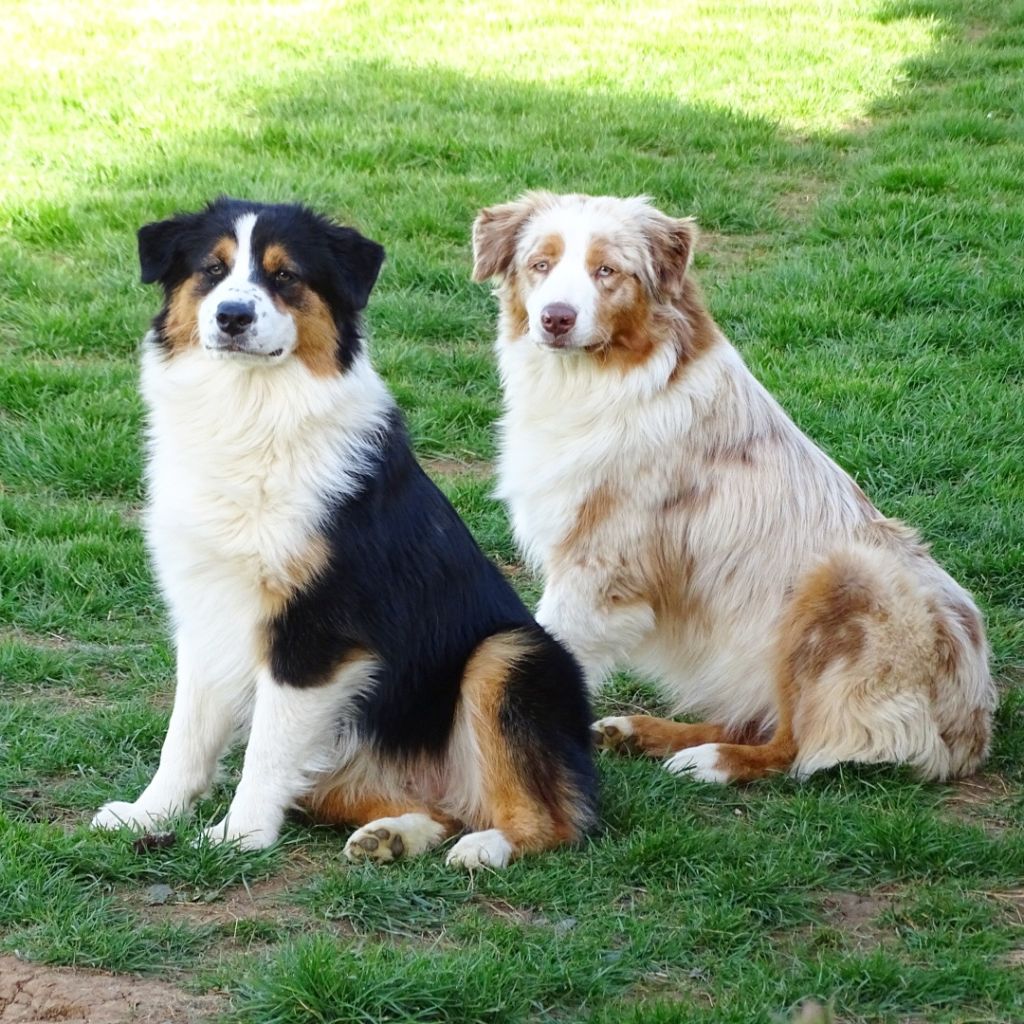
(215, 270)
(285, 277)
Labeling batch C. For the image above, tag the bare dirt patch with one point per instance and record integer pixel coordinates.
(39, 805)
(258, 901)
(977, 801)
(51, 641)
(728, 252)
(857, 914)
(684, 987)
(33, 993)
(1015, 958)
(1009, 901)
(522, 916)
(44, 641)
(525, 917)
(810, 1011)
(798, 203)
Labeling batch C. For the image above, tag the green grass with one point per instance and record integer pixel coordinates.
(855, 166)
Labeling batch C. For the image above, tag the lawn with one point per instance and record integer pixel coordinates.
(857, 167)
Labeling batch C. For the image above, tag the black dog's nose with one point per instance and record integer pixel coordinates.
(558, 318)
(234, 317)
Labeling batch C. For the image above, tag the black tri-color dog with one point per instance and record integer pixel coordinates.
(325, 596)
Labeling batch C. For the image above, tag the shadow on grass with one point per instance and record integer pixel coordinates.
(409, 156)
(886, 316)
(887, 319)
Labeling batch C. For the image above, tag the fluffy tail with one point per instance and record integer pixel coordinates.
(888, 663)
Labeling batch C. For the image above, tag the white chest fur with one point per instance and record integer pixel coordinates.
(570, 428)
(243, 460)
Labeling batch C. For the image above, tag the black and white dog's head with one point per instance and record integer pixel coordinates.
(260, 284)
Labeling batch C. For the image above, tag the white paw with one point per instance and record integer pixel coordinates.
(388, 839)
(246, 836)
(612, 732)
(488, 849)
(121, 814)
(698, 762)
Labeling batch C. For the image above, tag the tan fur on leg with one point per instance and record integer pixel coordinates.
(520, 821)
(392, 826)
(655, 737)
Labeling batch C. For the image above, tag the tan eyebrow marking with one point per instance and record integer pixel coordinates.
(225, 250)
(601, 253)
(550, 247)
(276, 257)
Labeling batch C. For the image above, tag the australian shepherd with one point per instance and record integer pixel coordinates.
(688, 530)
(326, 599)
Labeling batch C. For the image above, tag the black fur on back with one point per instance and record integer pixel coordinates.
(407, 582)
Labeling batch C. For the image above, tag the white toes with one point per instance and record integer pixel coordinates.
(246, 838)
(387, 839)
(699, 763)
(488, 849)
(612, 732)
(121, 814)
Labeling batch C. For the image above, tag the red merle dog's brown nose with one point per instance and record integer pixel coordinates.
(558, 318)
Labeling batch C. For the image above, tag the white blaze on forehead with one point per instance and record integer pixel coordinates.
(239, 284)
(242, 271)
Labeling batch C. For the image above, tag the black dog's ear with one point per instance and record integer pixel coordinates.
(357, 263)
(160, 248)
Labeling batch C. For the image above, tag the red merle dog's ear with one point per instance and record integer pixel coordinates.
(162, 249)
(496, 232)
(357, 262)
(671, 242)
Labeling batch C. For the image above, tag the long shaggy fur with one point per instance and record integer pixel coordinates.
(327, 600)
(687, 529)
